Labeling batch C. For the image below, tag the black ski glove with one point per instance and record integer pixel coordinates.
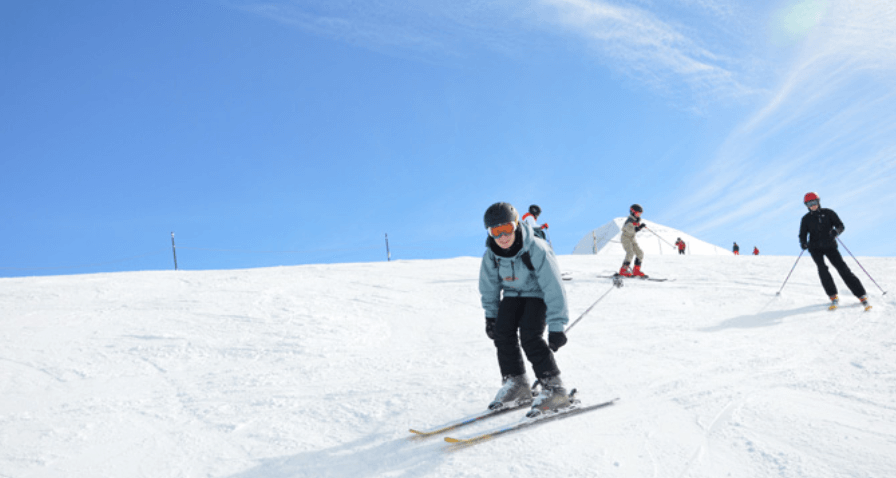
(556, 340)
(642, 226)
(490, 327)
(835, 232)
(804, 245)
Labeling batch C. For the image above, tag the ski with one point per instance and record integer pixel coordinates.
(619, 276)
(864, 307)
(576, 409)
(566, 275)
(471, 419)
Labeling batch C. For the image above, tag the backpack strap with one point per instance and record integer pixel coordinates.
(527, 259)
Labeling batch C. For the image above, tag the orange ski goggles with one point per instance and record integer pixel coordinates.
(502, 230)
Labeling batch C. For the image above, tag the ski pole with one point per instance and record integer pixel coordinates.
(791, 272)
(589, 308)
(860, 265)
(657, 235)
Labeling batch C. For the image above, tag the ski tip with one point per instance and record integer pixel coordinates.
(416, 432)
(867, 308)
(453, 440)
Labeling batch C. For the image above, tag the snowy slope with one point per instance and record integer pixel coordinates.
(654, 240)
(319, 371)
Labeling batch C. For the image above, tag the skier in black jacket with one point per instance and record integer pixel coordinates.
(818, 233)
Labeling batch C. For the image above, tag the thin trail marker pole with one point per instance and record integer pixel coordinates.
(388, 254)
(174, 251)
(860, 265)
(791, 272)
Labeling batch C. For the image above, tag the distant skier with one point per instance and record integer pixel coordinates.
(736, 249)
(680, 245)
(526, 271)
(819, 229)
(531, 218)
(755, 251)
(629, 229)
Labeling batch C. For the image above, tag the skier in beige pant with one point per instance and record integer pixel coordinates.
(632, 225)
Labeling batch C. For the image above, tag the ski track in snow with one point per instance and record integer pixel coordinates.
(320, 370)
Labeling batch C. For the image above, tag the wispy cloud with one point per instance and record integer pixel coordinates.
(659, 45)
(828, 127)
(396, 26)
(635, 38)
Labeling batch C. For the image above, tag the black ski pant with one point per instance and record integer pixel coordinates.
(525, 315)
(833, 254)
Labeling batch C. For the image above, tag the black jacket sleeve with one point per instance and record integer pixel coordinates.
(837, 223)
(804, 230)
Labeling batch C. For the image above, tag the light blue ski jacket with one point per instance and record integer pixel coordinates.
(510, 275)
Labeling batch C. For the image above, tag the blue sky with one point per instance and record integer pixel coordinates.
(293, 132)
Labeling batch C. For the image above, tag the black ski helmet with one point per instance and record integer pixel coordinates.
(500, 213)
(535, 210)
(636, 208)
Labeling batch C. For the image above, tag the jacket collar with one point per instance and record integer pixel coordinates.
(513, 250)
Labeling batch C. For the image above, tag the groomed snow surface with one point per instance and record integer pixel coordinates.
(319, 371)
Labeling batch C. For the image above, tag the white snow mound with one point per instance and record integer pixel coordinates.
(655, 239)
(320, 370)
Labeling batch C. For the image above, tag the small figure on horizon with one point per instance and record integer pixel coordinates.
(680, 245)
(531, 218)
(522, 293)
(819, 229)
(755, 251)
(736, 249)
(632, 226)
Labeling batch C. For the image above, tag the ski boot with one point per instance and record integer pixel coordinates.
(636, 272)
(553, 396)
(624, 271)
(835, 301)
(514, 391)
(865, 303)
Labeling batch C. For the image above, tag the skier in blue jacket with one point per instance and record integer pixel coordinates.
(524, 268)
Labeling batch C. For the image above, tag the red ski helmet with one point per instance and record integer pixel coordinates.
(809, 197)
